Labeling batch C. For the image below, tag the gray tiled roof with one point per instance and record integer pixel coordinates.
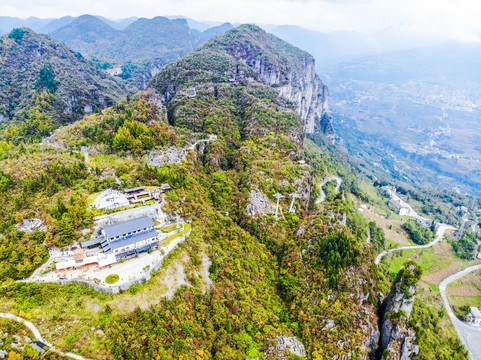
(91, 242)
(134, 189)
(128, 226)
(132, 239)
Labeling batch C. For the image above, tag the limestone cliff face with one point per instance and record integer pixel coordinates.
(248, 54)
(296, 79)
(311, 97)
(396, 337)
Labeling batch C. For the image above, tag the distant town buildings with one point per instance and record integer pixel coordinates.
(396, 204)
(30, 225)
(400, 207)
(474, 316)
(424, 222)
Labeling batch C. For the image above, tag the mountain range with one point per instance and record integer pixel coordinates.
(140, 50)
(274, 260)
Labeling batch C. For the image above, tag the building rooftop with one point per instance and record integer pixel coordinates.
(125, 227)
(134, 189)
(91, 242)
(130, 240)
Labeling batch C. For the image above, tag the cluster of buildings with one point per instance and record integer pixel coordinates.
(114, 243)
(400, 207)
(424, 222)
(122, 234)
(111, 199)
(125, 238)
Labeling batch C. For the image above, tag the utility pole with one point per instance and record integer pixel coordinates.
(294, 197)
(278, 196)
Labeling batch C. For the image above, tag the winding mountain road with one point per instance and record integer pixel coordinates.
(322, 197)
(469, 335)
(437, 238)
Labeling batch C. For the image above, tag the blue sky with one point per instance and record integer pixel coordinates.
(449, 19)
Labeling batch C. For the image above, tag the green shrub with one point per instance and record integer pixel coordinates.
(112, 279)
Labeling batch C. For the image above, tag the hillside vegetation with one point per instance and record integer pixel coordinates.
(251, 279)
(43, 85)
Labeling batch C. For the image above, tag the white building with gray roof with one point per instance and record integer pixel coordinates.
(126, 238)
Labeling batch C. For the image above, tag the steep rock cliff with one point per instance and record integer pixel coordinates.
(292, 72)
(248, 54)
(396, 337)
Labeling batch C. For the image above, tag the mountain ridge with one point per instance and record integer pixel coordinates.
(248, 53)
(37, 64)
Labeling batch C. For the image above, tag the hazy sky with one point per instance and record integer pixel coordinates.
(450, 19)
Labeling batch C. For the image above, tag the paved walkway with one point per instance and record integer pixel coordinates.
(27, 323)
(438, 237)
(322, 197)
(38, 336)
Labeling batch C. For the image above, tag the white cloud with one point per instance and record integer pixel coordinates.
(450, 19)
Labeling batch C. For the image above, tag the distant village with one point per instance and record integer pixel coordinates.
(400, 207)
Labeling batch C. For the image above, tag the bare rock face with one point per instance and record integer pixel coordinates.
(172, 155)
(175, 155)
(297, 81)
(396, 337)
(249, 54)
(311, 98)
(258, 204)
(285, 347)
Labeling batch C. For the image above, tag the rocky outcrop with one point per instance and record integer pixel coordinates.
(258, 204)
(175, 155)
(397, 339)
(292, 72)
(285, 347)
(248, 54)
(311, 97)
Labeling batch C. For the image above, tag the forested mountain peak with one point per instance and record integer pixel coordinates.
(248, 53)
(278, 262)
(144, 38)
